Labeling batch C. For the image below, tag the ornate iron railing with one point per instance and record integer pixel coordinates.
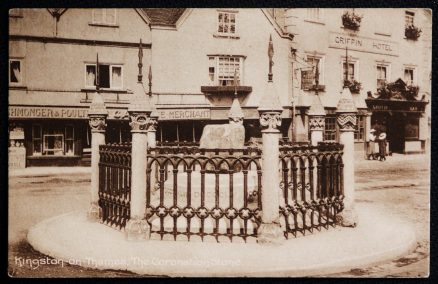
(115, 183)
(203, 192)
(312, 186)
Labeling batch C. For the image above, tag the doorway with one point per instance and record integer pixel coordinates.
(396, 132)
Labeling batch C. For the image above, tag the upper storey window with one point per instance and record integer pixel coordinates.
(409, 18)
(104, 17)
(110, 76)
(15, 72)
(315, 15)
(227, 23)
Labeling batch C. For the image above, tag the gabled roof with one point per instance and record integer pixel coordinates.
(163, 16)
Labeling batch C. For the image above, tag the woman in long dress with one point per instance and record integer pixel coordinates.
(382, 146)
(371, 145)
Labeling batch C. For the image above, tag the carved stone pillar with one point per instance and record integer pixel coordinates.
(137, 227)
(346, 119)
(270, 111)
(97, 121)
(270, 230)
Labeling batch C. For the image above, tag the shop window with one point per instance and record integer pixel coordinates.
(359, 132)
(330, 128)
(409, 77)
(15, 71)
(104, 16)
(308, 77)
(69, 140)
(409, 18)
(222, 69)
(382, 75)
(412, 129)
(110, 76)
(227, 23)
(315, 14)
(53, 142)
(36, 140)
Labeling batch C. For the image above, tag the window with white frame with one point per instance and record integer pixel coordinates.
(409, 75)
(382, 75)
(53, 142)
(222, 69)
(409, 18)
(227, 22)
(110, 76)
(104, 16)
(315, 14)
(308, 76)
(15, 71)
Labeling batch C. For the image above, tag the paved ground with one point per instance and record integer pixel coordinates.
(400, 186)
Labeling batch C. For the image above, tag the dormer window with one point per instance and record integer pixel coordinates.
(227, 23)
(104, 17)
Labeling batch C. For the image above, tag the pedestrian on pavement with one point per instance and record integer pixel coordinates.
(371, 144)
(382, 146)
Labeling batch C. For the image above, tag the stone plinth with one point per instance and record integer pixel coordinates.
(223, 136)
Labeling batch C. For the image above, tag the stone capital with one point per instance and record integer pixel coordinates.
(153, 124)
(139, 121)
(137, 230)
(347, 121)
(316, 123)
(270, 233)
(97, 122)
(270, 121)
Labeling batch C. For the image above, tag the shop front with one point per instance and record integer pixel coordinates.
(401, 120)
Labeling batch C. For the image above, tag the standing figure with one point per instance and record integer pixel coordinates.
(382, 146)
(371, 145)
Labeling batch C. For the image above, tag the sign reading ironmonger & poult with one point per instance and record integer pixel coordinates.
(364, 44)
(82, 113)
(47, 112)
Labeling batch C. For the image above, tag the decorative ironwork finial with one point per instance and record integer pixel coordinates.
(97, 73)
(150, 80)
(317, 78)
(235, 82)
(270, 54)
(140, 62)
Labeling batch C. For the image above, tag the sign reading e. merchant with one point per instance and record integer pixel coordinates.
(364, 44)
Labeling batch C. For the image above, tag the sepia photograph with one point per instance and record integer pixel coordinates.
(219, 142)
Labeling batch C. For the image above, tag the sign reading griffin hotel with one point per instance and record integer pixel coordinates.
(82, 113)
(364, 44)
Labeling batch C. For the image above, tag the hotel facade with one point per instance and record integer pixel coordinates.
(380, 51)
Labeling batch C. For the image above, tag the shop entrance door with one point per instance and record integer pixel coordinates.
(396, 133)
